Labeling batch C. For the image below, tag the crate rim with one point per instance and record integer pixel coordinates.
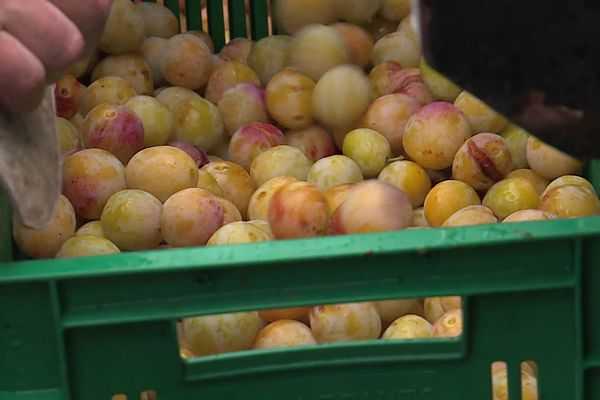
(420, 241)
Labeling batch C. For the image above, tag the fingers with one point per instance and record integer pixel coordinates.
(43, 28)
(22, 76)
(89, 17)
(40, 40)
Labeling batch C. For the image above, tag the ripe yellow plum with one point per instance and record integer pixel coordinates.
(47, 241)
(372, 206)
(280, 160)
(190, 217)
(235, 183)
(446, 198)
(510, 195)
(162, 171)
(345, 322)
(298, 210)
(90, 177)
(221, 333)
(131, 220)
(314, 141)
(315, 49)
(434, 134)
(482, 160)
(409, 177)
(86, 246)
(471, 215)
(284, 333)
(258, 207)
(408, 327)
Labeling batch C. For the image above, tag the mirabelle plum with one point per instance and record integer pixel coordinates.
(227, 76)
(408, 327)
(409, 177)
(510, 195)
(292, 15)
(337, 195)
(314, 141)
(358, 42)
(279, 161)
(47, 241)
(221, 333)
(107, 90)
(434, 134)
(252, 139)
(315, 49)
(402, 47)
(230, 212)
(341, 96)
(156, 118)
(529, 215)
(570, 201)
(345, 322)
(198, 122)
(90, 177)
(384, 77)
(130, 67)
(516, 139)
(446, 198)
(471, 215)
(199, 156)
(258, 207)
(372, 206)
(131, 220)
(298, 210)
(333, 171)
(367, 148)
(68, 136)
(388, 116)
(482, 161)
(549, 162)
(93, 228)
(68, 95)
(171, 96)
(419, 220)
(567, 180)
(539, 183)
(284, 333)
(448, 325)
(269, 56)
(159, 20)
(241, 105)
(162, 171)
(114, 128)
(239, 232)
(190, 217)
(237, 50)
(235, 183)
(435, 307)
(85, 246)
(288, 96)
(124, 30)
(186, 61)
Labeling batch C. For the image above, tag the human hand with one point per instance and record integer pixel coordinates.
(39, 40)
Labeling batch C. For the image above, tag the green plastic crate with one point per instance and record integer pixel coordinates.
(92, 328)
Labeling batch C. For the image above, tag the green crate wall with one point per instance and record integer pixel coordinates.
(92, 328)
